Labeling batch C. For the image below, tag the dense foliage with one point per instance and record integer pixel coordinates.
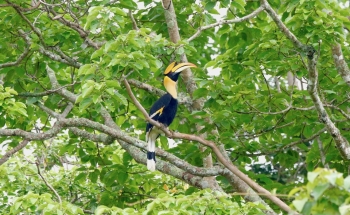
(271, 91)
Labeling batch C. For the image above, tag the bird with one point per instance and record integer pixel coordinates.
(164, 109)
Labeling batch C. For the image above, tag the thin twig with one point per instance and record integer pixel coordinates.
(48, 92)
(223, 22)
(134, 24)
(47, 183)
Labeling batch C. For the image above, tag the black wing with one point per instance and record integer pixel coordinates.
(158, 108)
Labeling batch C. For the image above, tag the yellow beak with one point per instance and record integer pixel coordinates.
(178, 68)
(182, 66)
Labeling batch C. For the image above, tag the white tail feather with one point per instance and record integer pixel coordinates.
(151, 137)
(151, 165)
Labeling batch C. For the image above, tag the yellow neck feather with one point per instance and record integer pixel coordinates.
(170, 86)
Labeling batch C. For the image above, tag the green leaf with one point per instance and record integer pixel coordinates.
(119, 11)
(87, 91)
(122, 177)
(93, 176)
(299, 204)
(112, 83)
(80, 177)
(210, 5)
(120, 98)
(110, 177)
(319, 190)
(200, 93)
(85, 103)
(311, 176)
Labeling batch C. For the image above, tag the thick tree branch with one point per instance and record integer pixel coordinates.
(161, 153)
(187, 76)
(223, 22)
(341, 142)
(55, 85)
(173, 29)
(282, 26)
(340, 63)
(168, 168)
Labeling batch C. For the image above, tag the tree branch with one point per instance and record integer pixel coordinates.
(182, 99)
(49, 54)
(223, 22)
(147, 87)
(47, 92)
(75, 26)
(340, 63)
(341, 142)
(47, 183)
(19, 59)
(173, 29)
(322, 152)
(11, 152)
(168, 168)
(282, 26)
(134, 24)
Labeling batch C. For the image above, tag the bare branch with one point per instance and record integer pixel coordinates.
(340, 63)
(224, 22)
(55, 85)
(134, 24)
(147, 87)
(341, 142)
(9, 153)
(281, 25)
(47, 92)
(36, 30)
(47, 183)
(47, 4)
(10, 4)
(168, 168)
(182, 99)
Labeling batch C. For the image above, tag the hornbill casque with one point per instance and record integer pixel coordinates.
(164, 109)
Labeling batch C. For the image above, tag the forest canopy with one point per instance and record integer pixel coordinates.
(262, 126)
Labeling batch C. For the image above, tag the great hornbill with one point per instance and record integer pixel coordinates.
(164, 109)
